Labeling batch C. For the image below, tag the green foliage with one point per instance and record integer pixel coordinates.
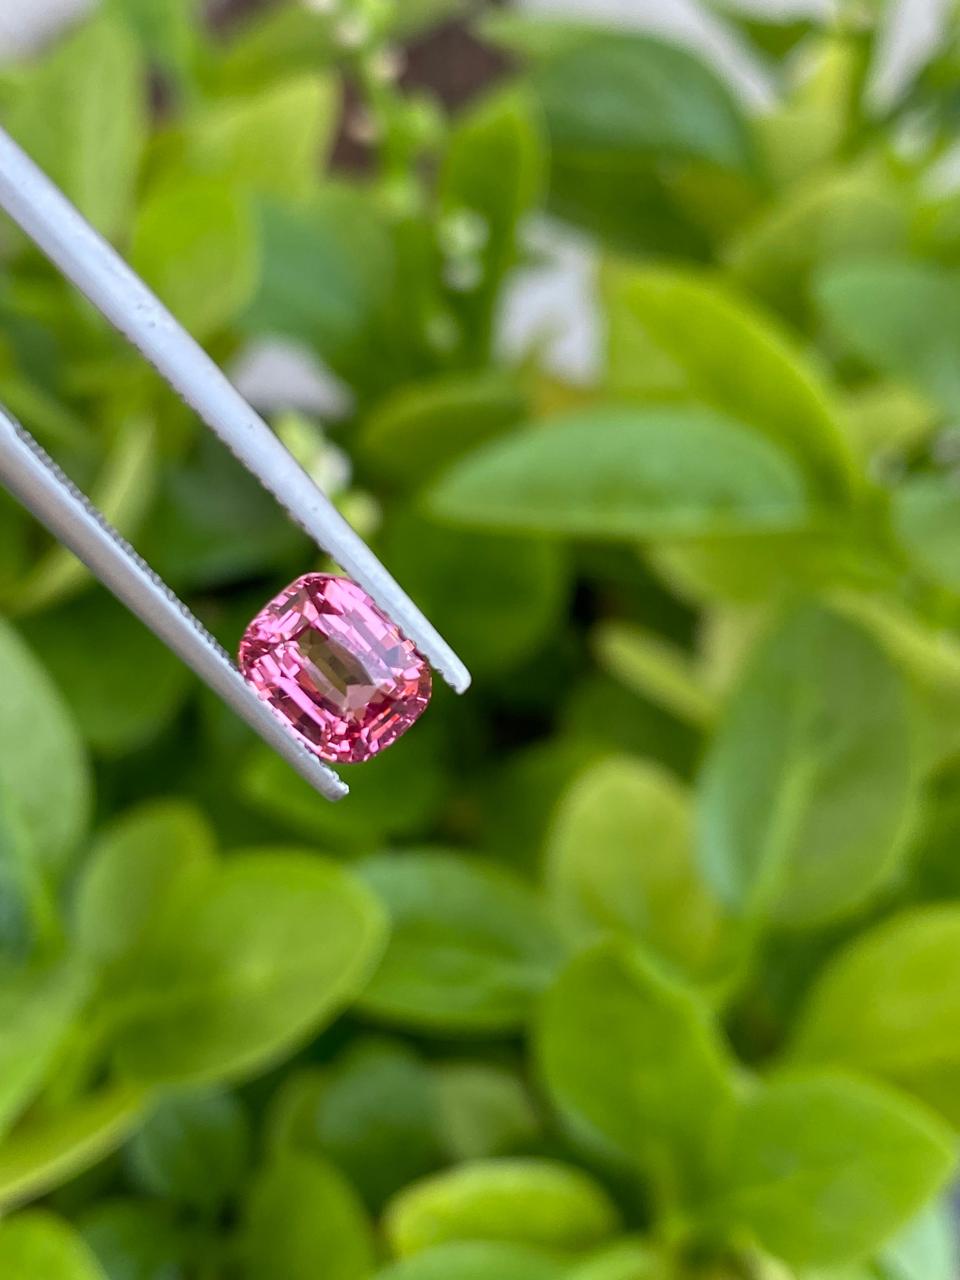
(43, 765)
(788, 826)
(667, 1113)
(37, 1244)
(641, 961)
(81, 113)
(135, 1239)
(376, 1114)
(884, 1003)
(496, 598)
(627, 474)
(621, 859)
(194, 243)
(782, 398)
(38, 1009)
(899, 317)
(238, 965)
(303, 1219)
(193, 1149)
(269, 142)
(523, 1200)
(476, 1261)
(123, 701)
(469, 949)
(493, 172)
(415, 432)
(926, 516)
(803, 1142)
(49, 1148)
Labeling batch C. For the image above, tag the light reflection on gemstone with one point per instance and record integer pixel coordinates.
(335, 667)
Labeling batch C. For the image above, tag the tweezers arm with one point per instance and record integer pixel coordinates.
(85, 258)
(40, 485)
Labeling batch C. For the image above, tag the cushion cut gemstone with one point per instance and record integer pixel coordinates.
(335, 667)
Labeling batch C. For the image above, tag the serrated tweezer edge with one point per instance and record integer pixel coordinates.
(44, 213)
(36, 480)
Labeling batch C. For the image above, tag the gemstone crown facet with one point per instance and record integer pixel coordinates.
(343, 676)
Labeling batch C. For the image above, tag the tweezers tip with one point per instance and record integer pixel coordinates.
(337, 790)
(457, 675)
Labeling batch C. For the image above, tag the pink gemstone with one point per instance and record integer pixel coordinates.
(343, 675)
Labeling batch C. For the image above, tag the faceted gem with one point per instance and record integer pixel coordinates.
(335, 667)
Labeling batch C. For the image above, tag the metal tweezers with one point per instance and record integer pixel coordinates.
(84, 257)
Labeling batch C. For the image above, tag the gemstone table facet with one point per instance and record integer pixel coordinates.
(342, 674)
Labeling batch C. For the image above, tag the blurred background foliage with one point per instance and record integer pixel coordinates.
(642, 961)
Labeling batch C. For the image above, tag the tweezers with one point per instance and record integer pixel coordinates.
(48, 218)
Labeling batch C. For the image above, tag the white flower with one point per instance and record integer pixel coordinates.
(25, 27)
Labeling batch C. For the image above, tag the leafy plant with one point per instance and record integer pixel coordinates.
(640, 962)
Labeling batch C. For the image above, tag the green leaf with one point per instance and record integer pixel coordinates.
(477, 1260)
(772, 31)
(890, 1001)
(492, 175)
(630, 118)
(411, 18)
(525, 786)
(240, 965)
(328, 266)
(770, 567)
(631, 210)
(195, 243)
(655, 669)
(783, 397)
(808, 129)
(375, 1114)
(616, 96)
(887, 418)
(81, 113)
(276, 43)
(271, 142)
(25, 916)
(421, 427)
(926, 519)
(214, 524)
(809, 786)
(38, 1244)
(486, 1111)
(495, 598)
(631, 1055)
(303, 1220)
(50, 1148)
(535, 1202)
(817, 226)
(13, 540)
(135, 1239)
(470, 947)
(43, 768)
(122, 685)
(168, 32)
(532, 36)
(626, 1260)
(900, 317)
(135, 869)
(623, 146)
(823, 1169)
(926, 1249)
(37, 1010)
(395, 795)
(928, 656)
(620, 859)
(193, 1148)
(626, 474)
